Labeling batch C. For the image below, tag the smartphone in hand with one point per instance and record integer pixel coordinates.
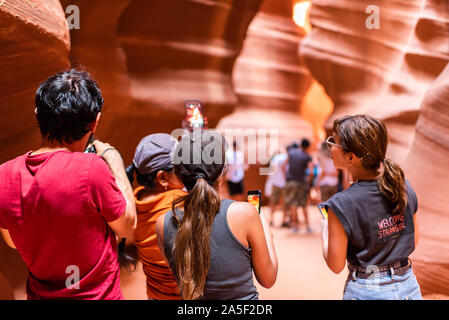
(92, 148)
(194, 117)
(254, 197)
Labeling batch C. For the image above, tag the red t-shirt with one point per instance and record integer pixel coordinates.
(56, 206)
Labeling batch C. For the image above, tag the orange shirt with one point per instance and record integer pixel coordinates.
(161, 284)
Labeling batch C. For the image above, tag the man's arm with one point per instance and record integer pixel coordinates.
(125, 225)
(7, 237)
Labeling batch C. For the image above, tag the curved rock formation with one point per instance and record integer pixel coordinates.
(176, 51)
(34, 44)
(386, 73)
(269, 78)
(427, 165)
(382, 72)
(95, 47)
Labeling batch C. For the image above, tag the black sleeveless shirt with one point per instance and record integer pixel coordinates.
(375, 235)
(230, 275)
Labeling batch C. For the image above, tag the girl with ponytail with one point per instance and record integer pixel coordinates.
(372, 224)
(213, 245)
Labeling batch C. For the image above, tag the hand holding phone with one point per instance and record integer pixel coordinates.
(254, 197)
(91, 148)
(194, 118)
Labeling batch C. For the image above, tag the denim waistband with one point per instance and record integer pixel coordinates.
(391, 269)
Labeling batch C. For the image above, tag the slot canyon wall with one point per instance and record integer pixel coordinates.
(383, 72)
(243, 62)
(35, 43)
(386, 73)
(148, 57)
(427, 165)
(270, 81)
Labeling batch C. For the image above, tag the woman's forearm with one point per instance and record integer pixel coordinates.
(325, 237)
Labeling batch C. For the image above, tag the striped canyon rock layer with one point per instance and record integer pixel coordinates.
(385, 73)
(176, 51)
(270, 82)
(427, 164)
(382, 72)
(34, 42)
(96, 48)
(148, 57)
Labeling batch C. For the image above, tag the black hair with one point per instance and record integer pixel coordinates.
(145, 180)
(67, 104)
(305, 143)
(293, 145)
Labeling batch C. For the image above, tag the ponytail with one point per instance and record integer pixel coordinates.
(191, 250)
(392, 184)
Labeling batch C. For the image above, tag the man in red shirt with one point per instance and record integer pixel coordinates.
(63, 208)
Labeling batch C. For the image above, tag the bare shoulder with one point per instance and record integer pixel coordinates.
(242, 218)
(242, 211)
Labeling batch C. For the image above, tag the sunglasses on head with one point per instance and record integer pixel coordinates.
(330, 142)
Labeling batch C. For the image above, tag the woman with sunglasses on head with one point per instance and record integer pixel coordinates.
(372, 224)
(213, 245)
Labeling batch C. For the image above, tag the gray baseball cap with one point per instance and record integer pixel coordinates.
(154, 152)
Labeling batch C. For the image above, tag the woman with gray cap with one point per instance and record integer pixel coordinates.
(213, 245)
(159, 187)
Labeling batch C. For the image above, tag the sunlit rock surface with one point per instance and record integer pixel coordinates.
(386, 73)
(177, 51)
(382, 72)
(270, 79)
(427, 164)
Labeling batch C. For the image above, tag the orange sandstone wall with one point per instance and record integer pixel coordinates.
(383, 72)
(427, 164)
(34, 42)
(269, 77)
(175, 51)
(96, 48)
(389, 73)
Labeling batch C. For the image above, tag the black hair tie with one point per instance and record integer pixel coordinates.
(200, 175)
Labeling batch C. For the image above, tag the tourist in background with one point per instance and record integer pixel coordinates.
(297, 188)
(328, 177)
(275, 185)
(235, 173)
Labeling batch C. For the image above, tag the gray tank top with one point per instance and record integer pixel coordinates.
(230, 275)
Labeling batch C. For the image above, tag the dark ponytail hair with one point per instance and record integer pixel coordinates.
(367, 138)
(191, 250)
(392, 184)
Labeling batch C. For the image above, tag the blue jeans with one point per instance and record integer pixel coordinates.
(402, 287)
